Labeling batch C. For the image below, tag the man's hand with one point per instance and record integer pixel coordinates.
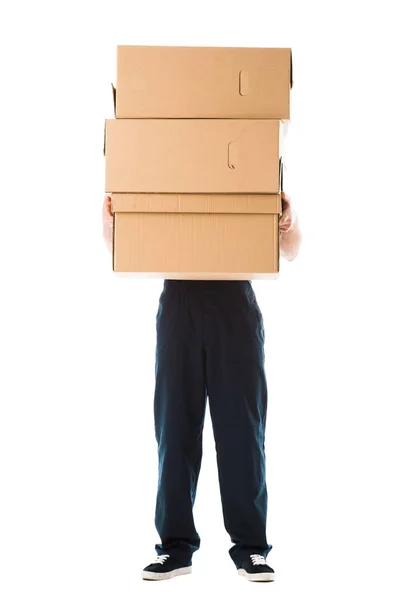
(287, 219)
(290, 236)
(107, 222)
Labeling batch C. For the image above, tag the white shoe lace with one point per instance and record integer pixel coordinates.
(258, 559)
(161, 558)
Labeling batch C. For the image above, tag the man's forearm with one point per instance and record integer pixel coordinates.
(290, 241)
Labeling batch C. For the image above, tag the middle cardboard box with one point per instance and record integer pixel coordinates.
(194, 156)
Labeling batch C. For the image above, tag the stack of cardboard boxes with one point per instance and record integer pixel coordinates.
(194, 160)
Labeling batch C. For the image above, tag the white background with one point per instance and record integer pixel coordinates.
(78, 468)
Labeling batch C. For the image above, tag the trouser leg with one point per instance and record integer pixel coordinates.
(179, 411)
(237, 389)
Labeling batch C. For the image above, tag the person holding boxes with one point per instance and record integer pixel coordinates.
(210, 331)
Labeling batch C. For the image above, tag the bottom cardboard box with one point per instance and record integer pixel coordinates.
(196, 236)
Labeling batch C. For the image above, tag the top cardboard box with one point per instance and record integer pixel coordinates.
(203, 82)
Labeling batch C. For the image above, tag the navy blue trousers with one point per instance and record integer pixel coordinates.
(210, 344)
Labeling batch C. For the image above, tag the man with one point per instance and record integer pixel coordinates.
(210, 343)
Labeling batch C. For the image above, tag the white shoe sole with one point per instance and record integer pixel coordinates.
(153, 576)
(257, 576)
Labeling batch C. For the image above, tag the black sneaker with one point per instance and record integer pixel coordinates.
(255, 568)
(165, 567)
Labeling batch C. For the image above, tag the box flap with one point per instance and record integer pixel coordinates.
(114, 94)
(282, 167)
(197, 203)
(291, 69)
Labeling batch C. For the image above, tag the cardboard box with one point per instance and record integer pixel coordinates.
(196, 236)
(203, 82)
(193, 155)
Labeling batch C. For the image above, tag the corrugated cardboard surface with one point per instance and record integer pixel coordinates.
(193, 155)
(197, 203)
(203, 82)
(196, 237)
